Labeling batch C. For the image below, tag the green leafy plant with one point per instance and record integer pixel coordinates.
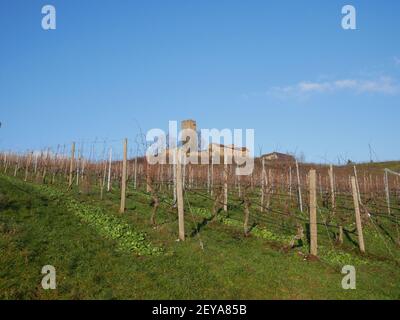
(109, 226)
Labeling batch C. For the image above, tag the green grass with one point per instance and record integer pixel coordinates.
(39, 226)
(393, 165)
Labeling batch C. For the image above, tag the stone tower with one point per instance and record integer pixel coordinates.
(188, 124)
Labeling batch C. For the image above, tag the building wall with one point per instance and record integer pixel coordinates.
(278, 156)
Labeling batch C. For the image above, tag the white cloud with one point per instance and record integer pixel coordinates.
(314, 86)
(346, 84)
(382, 85)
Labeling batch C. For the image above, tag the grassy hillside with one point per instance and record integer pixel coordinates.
(393, 165)
(100, 254)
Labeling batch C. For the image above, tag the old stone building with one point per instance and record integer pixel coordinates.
(277, 156)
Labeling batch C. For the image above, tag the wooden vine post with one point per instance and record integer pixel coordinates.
(263, 184)
(28, 163)
(238, 181)
(357, 184)
(358, 216)
(387, 191)
(179, 195)
(290, 183)
(332, 185)
(299, 187)
(109, 171)
(148, 177)
(313, 213)
(212, 175)
(36, 164)
(135, 174)
(225, 187)
(16, 167)
(174, 169)
(208, 173)
(46, 162)
(71, 165)
(5, 163)
(123, 179)
(78, 164)
(103, 181)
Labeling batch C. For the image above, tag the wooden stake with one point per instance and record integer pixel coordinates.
(387, 192)
(332, 184)
(78, 165)
(53, 178)
(123, 179)
(103, 183)
(36, 163)
(357, 184)
(71, 165)
(179, 194)
(299, 187)
(225, 187)
(109, 171)
(263, 184)
(135, 175)
(39, 162)
(290, 183)
(16, 167)
(148, 177)
(239, 184)
(313, 213)
(28, 163)
(208, 175)
(340, 235)
(174, 170)
(358, 216)
(5, 163)
(212, 176)
(46, 161)
(4, 159)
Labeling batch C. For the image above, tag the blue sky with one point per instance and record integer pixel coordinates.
(285, 68)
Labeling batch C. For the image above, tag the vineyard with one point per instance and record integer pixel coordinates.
(195, 230)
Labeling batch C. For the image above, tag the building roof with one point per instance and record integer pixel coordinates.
(279, 155)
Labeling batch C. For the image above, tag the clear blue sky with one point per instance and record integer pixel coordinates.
(285, 68)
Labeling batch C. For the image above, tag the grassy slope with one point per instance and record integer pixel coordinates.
(393, 165)
(36, 229)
